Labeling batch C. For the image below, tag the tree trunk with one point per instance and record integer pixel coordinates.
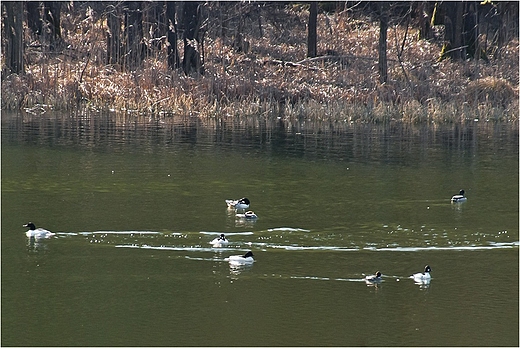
(34, 20)
(173, 52)
(312, 38)
(52, 22)
(456, 19)
(461, 31)
(470, 30)
(192, 61)
(424, 20)
(239, 43)
(114, 48)
(134, 48)
(52, 11)
(383, 28)
(13, 31)
(453, 31)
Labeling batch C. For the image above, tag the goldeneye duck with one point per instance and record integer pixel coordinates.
(239, 204)
(459, 198)
(241, 259)
(219, 241)
(37, 232)
(248, 215)
(374, 278)
(422, 276)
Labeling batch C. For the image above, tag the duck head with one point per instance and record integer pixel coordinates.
(427, 269)
(243, 201)
(248, 254)
(30, 225)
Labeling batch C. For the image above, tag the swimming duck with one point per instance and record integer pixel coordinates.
(374, 278)
(37, 233)
(219, 241)
(239, 204)
(422, 276)
(241, 259)
(248, 215)
(459, 198)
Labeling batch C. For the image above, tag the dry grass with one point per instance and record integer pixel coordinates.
(343, 87)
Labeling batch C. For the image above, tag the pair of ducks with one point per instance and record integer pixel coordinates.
(419, 277)
(221, 241)
(242, 204)
(239, 204)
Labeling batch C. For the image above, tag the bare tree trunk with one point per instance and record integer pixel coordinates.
(114, 48)
(134, 48)
(423, 11)
(13, 31)
(457, 30)
(173, 52)
(383, 28)
(34, 20)
(192, 59)
(470, 30)
(312, 38)
(239, 42)
(453, 31)
(52, 12)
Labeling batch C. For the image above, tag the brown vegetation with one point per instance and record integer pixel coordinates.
(272, 76)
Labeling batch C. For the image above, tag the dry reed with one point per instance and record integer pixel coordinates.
(342, 85)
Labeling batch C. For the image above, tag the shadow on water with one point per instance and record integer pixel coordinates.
(311, 140)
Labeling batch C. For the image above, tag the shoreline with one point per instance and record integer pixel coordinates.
(273, 78)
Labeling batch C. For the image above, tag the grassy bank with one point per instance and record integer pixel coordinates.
(342, 84)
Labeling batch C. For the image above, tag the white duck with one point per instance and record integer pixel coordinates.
(37, 233)
(241, 259)
(422, 277)
(219, 241)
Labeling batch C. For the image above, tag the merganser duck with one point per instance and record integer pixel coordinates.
(219, 241)
(37, 233)
(422, 276)
(241, 259)
(459, 198)
(239, 204)
(374, 278)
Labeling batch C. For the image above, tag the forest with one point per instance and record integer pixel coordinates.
(350, 61)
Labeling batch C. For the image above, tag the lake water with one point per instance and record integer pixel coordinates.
(134, 203)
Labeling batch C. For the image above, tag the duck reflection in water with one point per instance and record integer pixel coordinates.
(37, 245)
(237, 269)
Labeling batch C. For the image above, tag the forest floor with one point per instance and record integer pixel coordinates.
(271, 77)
